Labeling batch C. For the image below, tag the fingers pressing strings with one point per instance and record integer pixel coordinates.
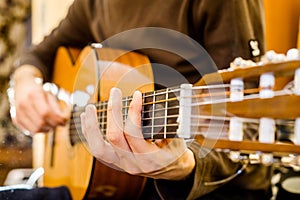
(100, 148)
(125, 147)
(133, 129)
(115, 134)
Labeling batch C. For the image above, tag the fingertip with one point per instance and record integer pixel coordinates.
(136, 98)
(137, 94)
(90, 108)
(115, 93)
(115, 89)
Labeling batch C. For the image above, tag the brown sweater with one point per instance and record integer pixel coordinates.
(222, 27)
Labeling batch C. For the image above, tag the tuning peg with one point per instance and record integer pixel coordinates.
(254, 158)
(266, 130)
(235, 129)
(273, 57)
(267, 82)
(236, 89)
(293, 54)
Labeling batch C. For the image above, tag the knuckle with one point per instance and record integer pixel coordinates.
(113, 138)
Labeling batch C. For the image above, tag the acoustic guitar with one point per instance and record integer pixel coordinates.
(86, 76)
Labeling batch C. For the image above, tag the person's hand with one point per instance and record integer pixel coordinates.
(123, 147)
(36, 109)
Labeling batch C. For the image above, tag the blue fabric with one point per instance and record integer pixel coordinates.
(43, 193)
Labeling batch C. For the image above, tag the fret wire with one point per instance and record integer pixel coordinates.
(104, 121)
(153, 115)
(100, 118)
(100, 115)
(143, 107)
(125, 110)
(166, 114)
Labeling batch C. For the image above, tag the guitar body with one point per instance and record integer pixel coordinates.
(67, 160)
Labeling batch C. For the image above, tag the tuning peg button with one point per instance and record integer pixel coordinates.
(267, 82)
(293, 54)
(267, 130)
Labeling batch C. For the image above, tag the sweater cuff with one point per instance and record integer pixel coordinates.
(168, 189)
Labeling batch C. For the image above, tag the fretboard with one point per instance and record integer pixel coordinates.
(160, 112)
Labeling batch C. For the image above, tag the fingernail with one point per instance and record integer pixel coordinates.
(137, 95)
(90, 108)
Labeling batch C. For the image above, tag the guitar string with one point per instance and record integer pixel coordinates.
(104, 105)
(166, 126)
(170, 90)
(174, 116)
(225, 100)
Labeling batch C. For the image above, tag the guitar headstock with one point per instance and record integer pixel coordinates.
(263, 95)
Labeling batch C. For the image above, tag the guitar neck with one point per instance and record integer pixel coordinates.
(160, 112)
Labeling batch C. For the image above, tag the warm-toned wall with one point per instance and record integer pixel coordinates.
(46, 15)
(298, 46)
(282, 19)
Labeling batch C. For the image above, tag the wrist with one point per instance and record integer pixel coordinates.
(24, 73)
(188, 164)
(27, 73)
